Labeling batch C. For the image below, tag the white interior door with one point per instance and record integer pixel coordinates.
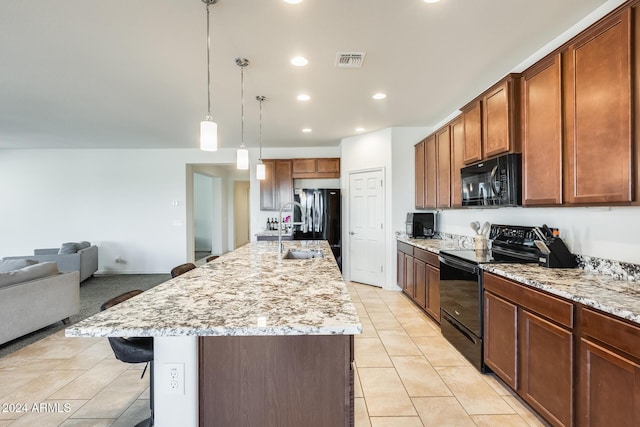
(366, 227)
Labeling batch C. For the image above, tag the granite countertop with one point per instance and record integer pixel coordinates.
(250, 291)
(614, 296)
(287, 233)
(433, 245)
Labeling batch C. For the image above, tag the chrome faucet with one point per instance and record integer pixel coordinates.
(303, 223)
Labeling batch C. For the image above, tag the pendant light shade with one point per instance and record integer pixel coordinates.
(261, 169)
(242, 156)
(208, 128)
(242, 159)
(208, 135)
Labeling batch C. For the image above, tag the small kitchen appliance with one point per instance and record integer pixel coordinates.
(421, 225)
(492, 182)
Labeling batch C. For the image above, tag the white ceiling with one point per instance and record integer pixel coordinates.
(132, 73)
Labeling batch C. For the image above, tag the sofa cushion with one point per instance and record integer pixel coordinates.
(31, 272)
(15, 264)
(83, 244)
(68, 248)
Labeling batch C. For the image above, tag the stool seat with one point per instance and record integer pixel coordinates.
(181, 269)
(132, 350)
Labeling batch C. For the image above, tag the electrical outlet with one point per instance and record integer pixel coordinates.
(173, 374)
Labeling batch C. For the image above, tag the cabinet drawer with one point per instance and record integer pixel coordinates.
(616, 333)
(545, 305)
(426, 256)
(405, 248)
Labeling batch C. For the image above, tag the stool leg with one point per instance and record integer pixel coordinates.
(151, 392)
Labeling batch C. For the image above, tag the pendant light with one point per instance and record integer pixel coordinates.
(208, 128)
(242, 156)
(261, 169)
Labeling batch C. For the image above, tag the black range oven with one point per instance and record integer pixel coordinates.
(461, 308)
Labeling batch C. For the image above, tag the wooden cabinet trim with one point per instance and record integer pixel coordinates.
(546, 305)
(426, 256)
(457, 160)
(616, 333)
(316, 168)
(405, 248)
(419, 157)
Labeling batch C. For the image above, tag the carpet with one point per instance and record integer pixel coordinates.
(93, 292)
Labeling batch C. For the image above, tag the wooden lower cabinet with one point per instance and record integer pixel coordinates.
(608, 371)
(531, 351)
(546, 368)
(276, 381)
(419, 278)
(409, 277)
(420, 281)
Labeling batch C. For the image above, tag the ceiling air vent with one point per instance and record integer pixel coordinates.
(349, 59)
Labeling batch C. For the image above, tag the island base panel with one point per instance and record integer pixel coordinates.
(279, 381)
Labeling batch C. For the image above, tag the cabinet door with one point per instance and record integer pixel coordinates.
(304, 166)
(495, 121)
(419, 174)
(546, 364)
(609, 391)
(457, 161)
(443, 164)
(401, 271)
(409, 278)
(284, 182)
(598, 114)
(472, 121)
(268, 191)
(542, 134)
(420, 282)
(431, 172)
(328, 167)
(433, 292)
(500, 338)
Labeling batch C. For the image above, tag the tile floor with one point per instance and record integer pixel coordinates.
(407, 375)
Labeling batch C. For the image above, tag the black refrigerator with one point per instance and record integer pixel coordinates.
(323, 218)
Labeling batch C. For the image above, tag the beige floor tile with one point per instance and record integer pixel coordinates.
(146, 394)
(398, 343)
(528, 415)
(87, 385)
(4, 423)
(115, 398)
(87, 422)
(362, 312)
(357, 388)
(396, 422)
(419, 377)
(366, 291)
(368, 330)
(442, 411)
(439, 352)
(138, 411)
(496, 385)
(360, 412)
(63, 348)
(370, 353)
(35, 365)
(499, 421)
(473, 392)
(49, 413)
(375, 305)
(384, 393)
(12, 380)
(385, 322)
(418, 326)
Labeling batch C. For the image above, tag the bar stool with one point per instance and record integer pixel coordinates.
(211, 258)
(133, 350)
(181, 269)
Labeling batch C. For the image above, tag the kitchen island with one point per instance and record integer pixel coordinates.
(254, 339)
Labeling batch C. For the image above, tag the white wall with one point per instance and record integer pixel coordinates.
(203, 212)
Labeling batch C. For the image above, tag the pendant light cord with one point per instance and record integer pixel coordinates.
(209, 117)
(242, 106)
(261, 99)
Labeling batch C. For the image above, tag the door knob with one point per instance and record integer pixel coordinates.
(352, 233)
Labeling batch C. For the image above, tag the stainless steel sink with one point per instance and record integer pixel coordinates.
(304, 254)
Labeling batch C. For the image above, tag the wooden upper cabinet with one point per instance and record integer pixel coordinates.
(501, 117)
(597, 89)
(472, 125)
(316, 168)
(457, 160)
(431, 172)
(277, 187)
(443, 165)
(419, 174)
(542, 133)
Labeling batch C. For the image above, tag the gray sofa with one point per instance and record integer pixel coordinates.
(81, 257)
(36, 296)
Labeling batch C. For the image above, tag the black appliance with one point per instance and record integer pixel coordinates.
(421, 225)
(553, 252)
(323, 218)
(461, 307)
(493, 182)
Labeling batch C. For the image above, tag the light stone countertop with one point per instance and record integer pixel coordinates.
(601, 291)
(250, 291)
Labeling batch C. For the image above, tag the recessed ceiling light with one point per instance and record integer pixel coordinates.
(379, 96)
(426, 1)
(306, 130)
(360, 129)
(303, 97)
(293, 1)
(299, 61)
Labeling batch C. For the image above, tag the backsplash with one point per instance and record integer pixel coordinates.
(616, 269)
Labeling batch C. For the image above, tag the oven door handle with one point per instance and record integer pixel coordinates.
(459, 265)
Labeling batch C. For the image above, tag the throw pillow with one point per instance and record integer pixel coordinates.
(68, 248)
(31, 272)
(83, 245)
(15, 264)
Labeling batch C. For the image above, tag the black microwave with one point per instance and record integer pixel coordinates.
(421, 225)
(493, 182)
